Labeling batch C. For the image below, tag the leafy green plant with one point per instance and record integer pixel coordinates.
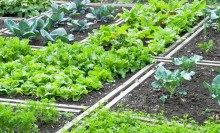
(57, 18)
(59, 33)
(105, 120)
(80, 6)
(25, 118)
(214, 15)
(13, 48)
(23, 8)
(101, 14)
(66, 8)
(79, 25)
(214, 88)
(206, 46)
(24, 29)
(187, 63)
(170, 80)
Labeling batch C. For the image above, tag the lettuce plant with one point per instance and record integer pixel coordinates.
(56, 34)
(214, 88)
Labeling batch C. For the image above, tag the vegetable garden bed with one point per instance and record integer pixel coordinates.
(114, 53)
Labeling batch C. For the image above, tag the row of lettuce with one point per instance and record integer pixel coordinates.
(70, 71)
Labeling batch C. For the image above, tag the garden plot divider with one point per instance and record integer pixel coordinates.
(113, 97)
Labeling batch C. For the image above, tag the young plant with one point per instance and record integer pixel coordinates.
(170, 80)
(24, 29)
(56, 34)
(80, 6)
(187, 63)
(102, 14)
(214, 88)
(79, 25)
(214, 15)
(206, 46)
(57, 18)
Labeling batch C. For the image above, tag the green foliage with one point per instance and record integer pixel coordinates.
(101, 14)
(187, 63)
(24, 29)
(59, 33)
(13, 49)
(81, 6)
(25, 118)
(170, 80)
(57, 18)
(106, 121)
(23, 8)
(206, 46)
(68, 71)
(214, 88)
(214, 15)
(79, 25)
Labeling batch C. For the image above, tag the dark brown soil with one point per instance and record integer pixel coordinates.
(1, 24)
(192, 47)
(144, 98)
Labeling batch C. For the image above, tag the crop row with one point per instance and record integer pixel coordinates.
(27, 117)
(70, 71)
(48, 27)
(105, 120)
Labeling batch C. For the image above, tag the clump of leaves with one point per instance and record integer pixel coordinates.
(23, 8)
(59, 33)
(79, 25)
(102, 14)
(57, 18)
(206, 46)
(25, 118)
(187, 63)
(80, 6)
(24, 29)
(214, 15)
(170, 80)
(214, 88)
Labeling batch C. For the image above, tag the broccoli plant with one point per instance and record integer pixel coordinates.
(187, 63)
(79, 25)
(214, 88)
(24, 29)
(69, 8)
(102, 14)
(56, 34)
(170, 80)
(56, 18)
(80, 6)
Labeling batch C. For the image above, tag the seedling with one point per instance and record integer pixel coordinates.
(206, 46)
(170, 80)
(214, 88)
(187, 63)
